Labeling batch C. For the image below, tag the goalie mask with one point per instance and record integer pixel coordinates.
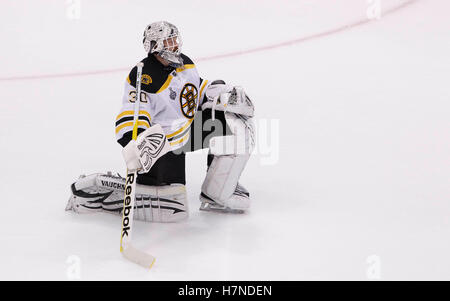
(163, 38)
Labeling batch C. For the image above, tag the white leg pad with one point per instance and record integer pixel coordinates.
(105, 192)
(222, 178)
(231, 154)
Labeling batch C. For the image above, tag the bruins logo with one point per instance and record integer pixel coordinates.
(188, 100)
(146, 79)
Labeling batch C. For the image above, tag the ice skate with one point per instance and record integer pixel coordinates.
(238, 203)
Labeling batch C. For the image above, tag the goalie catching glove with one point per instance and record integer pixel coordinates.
(223, 97)
(142, 153)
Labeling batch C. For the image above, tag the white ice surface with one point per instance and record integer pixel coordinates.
(363, 145)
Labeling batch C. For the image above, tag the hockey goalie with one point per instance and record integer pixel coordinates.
(178, 112)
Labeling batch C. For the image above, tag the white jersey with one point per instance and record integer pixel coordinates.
(169, 97)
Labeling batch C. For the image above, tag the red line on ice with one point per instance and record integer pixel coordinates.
(219, 56)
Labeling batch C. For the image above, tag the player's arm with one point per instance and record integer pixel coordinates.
(204, 84)
(124, 120)
(151, 142)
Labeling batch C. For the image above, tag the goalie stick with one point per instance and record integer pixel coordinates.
(126, 247)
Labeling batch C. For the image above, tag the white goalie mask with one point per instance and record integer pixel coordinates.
(164, 39)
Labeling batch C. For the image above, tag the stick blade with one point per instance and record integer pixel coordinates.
(139, 257)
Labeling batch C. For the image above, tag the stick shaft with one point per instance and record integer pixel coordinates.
(130, 184)
(137, 103)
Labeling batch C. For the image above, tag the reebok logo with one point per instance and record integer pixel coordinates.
(129, 194)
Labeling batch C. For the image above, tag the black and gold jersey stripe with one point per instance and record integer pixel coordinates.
(126, 120)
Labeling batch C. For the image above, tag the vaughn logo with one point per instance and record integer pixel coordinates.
(127, 205)
(113, 185)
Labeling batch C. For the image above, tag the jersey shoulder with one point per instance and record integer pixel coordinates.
(154, 74)
(153, 77)
(186, 60)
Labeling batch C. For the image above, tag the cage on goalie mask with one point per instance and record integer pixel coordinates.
(164, 39)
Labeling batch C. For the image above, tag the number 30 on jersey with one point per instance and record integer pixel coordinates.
(132, 97)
